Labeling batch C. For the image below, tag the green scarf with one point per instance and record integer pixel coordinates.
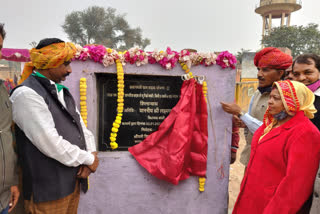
(59, 86)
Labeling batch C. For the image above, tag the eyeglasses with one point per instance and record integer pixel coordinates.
(67, 63)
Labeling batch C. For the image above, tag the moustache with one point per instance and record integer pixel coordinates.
(66, 74)
(260, 78)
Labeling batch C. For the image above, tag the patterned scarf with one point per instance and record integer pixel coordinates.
(295, 97)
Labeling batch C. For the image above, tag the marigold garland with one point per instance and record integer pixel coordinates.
(202, 182)
(117, 122)
(205, 89)
(83, 105)
(83, 100)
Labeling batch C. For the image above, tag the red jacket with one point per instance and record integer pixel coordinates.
(282, 169)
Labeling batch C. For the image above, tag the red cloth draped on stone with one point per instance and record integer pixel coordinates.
(179, 147)
(272, 58)
(199, 142)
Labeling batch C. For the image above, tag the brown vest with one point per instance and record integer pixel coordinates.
(259, 107)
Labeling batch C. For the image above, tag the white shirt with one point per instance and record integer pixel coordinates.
(252, 123)
(31, 113)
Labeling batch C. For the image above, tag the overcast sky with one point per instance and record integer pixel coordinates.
(205, 25)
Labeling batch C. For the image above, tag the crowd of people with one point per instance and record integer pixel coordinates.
(57, 153)
(282, 151)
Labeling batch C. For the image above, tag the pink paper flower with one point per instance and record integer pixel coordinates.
(96, 52)
(226, 59)
(169, 58)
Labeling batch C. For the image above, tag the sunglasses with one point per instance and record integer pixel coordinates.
(67, 63)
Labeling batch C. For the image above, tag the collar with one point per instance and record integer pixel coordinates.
(266, 89)
(59, 86)
(317, 92)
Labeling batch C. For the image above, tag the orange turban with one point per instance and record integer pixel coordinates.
(51, 56)
(272, 58)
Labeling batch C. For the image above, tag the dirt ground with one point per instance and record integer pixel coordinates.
(236, 174)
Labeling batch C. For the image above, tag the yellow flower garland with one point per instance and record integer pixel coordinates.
(205, 89)
(186, 69)
(83, 105)
(83, 100)
(116, 124)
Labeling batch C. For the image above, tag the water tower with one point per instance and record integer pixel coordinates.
(276, 9)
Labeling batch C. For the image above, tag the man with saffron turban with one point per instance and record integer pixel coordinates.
(56, 150)
(271, 64)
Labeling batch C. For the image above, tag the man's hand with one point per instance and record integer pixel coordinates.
(83, 172)
(93, 167)
(238, 122)
(14, 197)
(231, 108)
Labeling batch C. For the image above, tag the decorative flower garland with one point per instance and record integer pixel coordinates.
(202, 180)
(167, 59)
(116, 124)
(83, 100)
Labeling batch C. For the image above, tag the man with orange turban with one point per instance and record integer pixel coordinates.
(56, 150)
(271, 64)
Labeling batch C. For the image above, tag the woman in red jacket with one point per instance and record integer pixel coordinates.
(284, 156)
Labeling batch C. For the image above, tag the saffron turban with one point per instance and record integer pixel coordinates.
(51, 56)
(271, 57)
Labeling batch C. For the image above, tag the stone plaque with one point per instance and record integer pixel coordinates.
(148, 101)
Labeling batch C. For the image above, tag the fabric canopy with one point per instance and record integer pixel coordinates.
(17, 55)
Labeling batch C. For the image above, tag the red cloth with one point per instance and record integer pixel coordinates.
(179, 147)
(199, 145)
(282, 169)
(272, 58)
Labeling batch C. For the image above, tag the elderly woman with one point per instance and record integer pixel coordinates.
(284, 156)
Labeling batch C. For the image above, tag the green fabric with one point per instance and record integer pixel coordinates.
(59, 86)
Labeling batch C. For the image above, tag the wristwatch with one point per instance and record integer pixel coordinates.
(241, 114)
